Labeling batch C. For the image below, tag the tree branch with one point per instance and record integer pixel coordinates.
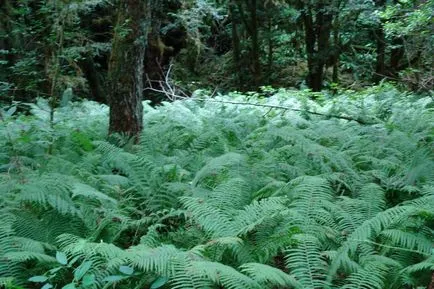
(168, 90)
(360, 121)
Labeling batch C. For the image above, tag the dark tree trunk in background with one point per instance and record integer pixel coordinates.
(270, 41)
(397, 51)
(236, 51)
(250, 21)
(380, 66)
(317, 35)
(336, 50)
(153, 64)
(161, 48)
(255, 42)
(94, 79)
(396, 54)
(126, 68)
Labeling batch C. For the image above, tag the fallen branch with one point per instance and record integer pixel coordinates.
(286, 108)
(168, 90)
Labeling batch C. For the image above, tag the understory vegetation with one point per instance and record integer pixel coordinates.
(295, 190)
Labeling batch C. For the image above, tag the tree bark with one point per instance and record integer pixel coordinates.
(126, 68)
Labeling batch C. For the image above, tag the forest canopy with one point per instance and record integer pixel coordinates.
(236, 144)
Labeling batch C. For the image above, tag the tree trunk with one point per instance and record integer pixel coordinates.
(317, 33)
(396, 54)
(236, 51)
(255, 42)
(270, 42)
(126, 68)
(336, 50)
(380, 67)
(153, 65)
(94, 79)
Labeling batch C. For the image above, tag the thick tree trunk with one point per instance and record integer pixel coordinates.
(126, 68)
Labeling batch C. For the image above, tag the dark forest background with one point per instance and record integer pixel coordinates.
(47, 47)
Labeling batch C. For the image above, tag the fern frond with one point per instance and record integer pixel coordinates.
(217, 164)
(258, 211)
(224, 275)
(159, 260)
(407, 240)
(26, 256)
(214, 221)
(368, 230)
(305, 262)
(269, 276)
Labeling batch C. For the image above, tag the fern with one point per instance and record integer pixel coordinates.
(305, 263)
(218, 195)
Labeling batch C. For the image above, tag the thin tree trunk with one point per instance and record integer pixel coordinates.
(317, 33)
(126, 68)
(380, 67)
(310, 44)
(336, 50)
(236, 51)
(324, 26)
(153, 64)
(396, 54)
(270, 42)
(255, 42)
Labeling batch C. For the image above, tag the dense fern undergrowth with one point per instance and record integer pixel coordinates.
(220, 195)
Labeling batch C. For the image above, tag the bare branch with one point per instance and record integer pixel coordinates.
(172, 96)
(286, 108)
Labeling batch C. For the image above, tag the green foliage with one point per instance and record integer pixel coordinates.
(44, 44)
(219, 195)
